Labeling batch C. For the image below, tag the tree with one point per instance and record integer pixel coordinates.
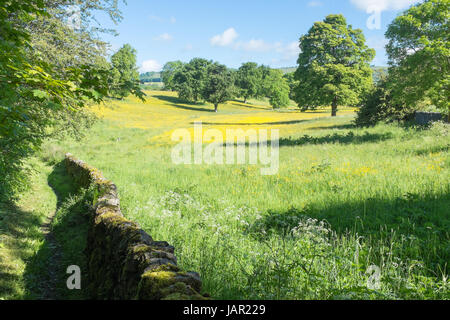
(248, 80)
(125, 73)
(219, 86)
(197, 69)
(49, 71)
(262, 88)
(333, 65)
(292, 83)
(168, 72)
(419, 55)
(189, 79)
(277, 89)
(377, 106)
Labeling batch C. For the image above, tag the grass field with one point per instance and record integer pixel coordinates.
(344, 199)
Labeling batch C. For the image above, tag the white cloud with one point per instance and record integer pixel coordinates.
(150, 65)
(290, 51)
(164, 37)
(224, 39)
(382, 5)
(159, 19)
(255, 45)
(315, 4)
(155, 18)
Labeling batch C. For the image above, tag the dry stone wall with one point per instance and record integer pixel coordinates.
(124, 262)
(424, 118)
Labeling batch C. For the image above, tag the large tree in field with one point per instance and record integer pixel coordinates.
(219, 85)
(248, 80)
(124, 69)
(419, 55)
(189, 79)
(333, 66)
(197, 69)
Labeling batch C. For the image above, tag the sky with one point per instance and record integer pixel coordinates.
(233, 32)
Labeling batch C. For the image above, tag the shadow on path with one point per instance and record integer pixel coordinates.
(65, 239)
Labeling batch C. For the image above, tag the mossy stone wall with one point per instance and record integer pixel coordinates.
(124, 262)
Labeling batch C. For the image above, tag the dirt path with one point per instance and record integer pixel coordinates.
(48, 288)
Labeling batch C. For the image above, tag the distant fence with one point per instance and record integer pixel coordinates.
(124, 262)
(424, 118)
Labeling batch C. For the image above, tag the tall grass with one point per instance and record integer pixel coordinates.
(345, 199)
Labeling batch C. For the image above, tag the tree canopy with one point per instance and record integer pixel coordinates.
(219, 86)
(333, 66)
(168, 72)
(277, 89)
(125, 75)
(248, 80)
(49, 71)
(419, 55)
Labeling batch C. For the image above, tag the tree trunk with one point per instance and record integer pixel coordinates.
(215, 107)
(245, 100)
(334, 107)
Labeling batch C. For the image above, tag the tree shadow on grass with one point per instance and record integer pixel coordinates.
(19, 228)
(177, 103)
(336, 138)
(339, 127)
(241, 103)
(422, 219)
(45, 275)
(340, 138)
(253, 123)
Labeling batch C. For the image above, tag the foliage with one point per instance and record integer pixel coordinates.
(188, 79)
(248, 80)
(265, 73)
(378, 106)
(379, 73)
(419, 54)
(49, 71)
(168, 72)
(218, 86)
(125, 76)
(277, 89)
(150, 77)
(333, 65)
(290, 79)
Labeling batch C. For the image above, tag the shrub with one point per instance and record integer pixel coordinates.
(377, 106)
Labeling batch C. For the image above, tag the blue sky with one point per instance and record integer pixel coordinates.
(233, 32)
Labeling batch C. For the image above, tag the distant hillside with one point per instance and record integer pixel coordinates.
(288, 69)
(150, 77)
(378, 72)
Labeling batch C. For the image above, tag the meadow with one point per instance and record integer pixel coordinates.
(345, 203)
